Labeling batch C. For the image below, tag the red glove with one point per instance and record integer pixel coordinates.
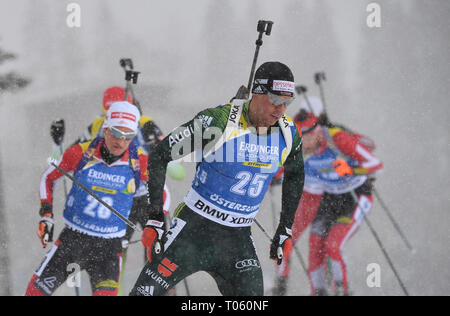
(45, 229)
(152, 238)
(281, 243)
(342, 168)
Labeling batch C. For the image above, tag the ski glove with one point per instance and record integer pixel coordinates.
(45, 229)
(281, 243)
(342, 168)
(153, 239)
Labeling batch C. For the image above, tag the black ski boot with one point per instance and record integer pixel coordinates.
(280, 288)
(340, 290)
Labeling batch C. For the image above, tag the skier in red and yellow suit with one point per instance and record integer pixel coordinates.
(112, 167)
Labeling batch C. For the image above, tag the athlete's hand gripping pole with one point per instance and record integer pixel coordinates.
(45, 229)
(278, 251)
(153, 238)
(281, 243)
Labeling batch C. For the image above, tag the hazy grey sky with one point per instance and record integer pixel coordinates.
(391, 83)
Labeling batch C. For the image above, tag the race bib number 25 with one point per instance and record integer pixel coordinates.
(249, 184)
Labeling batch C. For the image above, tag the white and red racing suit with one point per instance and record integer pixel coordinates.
(328, 204)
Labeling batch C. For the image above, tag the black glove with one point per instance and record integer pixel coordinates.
(57, 131)
(281, 243)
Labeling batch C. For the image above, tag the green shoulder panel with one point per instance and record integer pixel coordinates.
(297, 142)
(214, 117)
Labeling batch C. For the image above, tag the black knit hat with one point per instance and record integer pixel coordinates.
(274, 77)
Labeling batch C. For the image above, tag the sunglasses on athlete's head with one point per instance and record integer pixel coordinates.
(278, 100)
(117, 133)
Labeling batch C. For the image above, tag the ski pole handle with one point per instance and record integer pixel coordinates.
(131, 77)
(319, 77)
(126, 63)
(263, 27)
(57, 131)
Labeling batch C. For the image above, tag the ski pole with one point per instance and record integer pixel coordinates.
(302, 90)
(263, 230)
(168, 220)
(394, 222)
(272, 204)
(130, 76)
(57, 131)
(279, 249)
(123, 218)
(134, 242)
(297, 252)
(319, 77)
(377, 238)
(300, 259)
(186, 285)
(383, 206)
(263, 27)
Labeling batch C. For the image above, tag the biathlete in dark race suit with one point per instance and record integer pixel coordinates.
(239, 147)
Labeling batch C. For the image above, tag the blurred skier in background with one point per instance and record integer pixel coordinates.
(311, 197)
(113, 167)
(337, 161)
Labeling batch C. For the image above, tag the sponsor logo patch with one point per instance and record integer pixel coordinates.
(247, 264)
(146, 290)
(283, 86)
(123, 115)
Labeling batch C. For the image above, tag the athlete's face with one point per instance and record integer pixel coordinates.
(312, 141)
(117, 146)
(263, 113)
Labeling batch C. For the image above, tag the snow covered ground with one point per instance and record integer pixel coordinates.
(390, 83)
